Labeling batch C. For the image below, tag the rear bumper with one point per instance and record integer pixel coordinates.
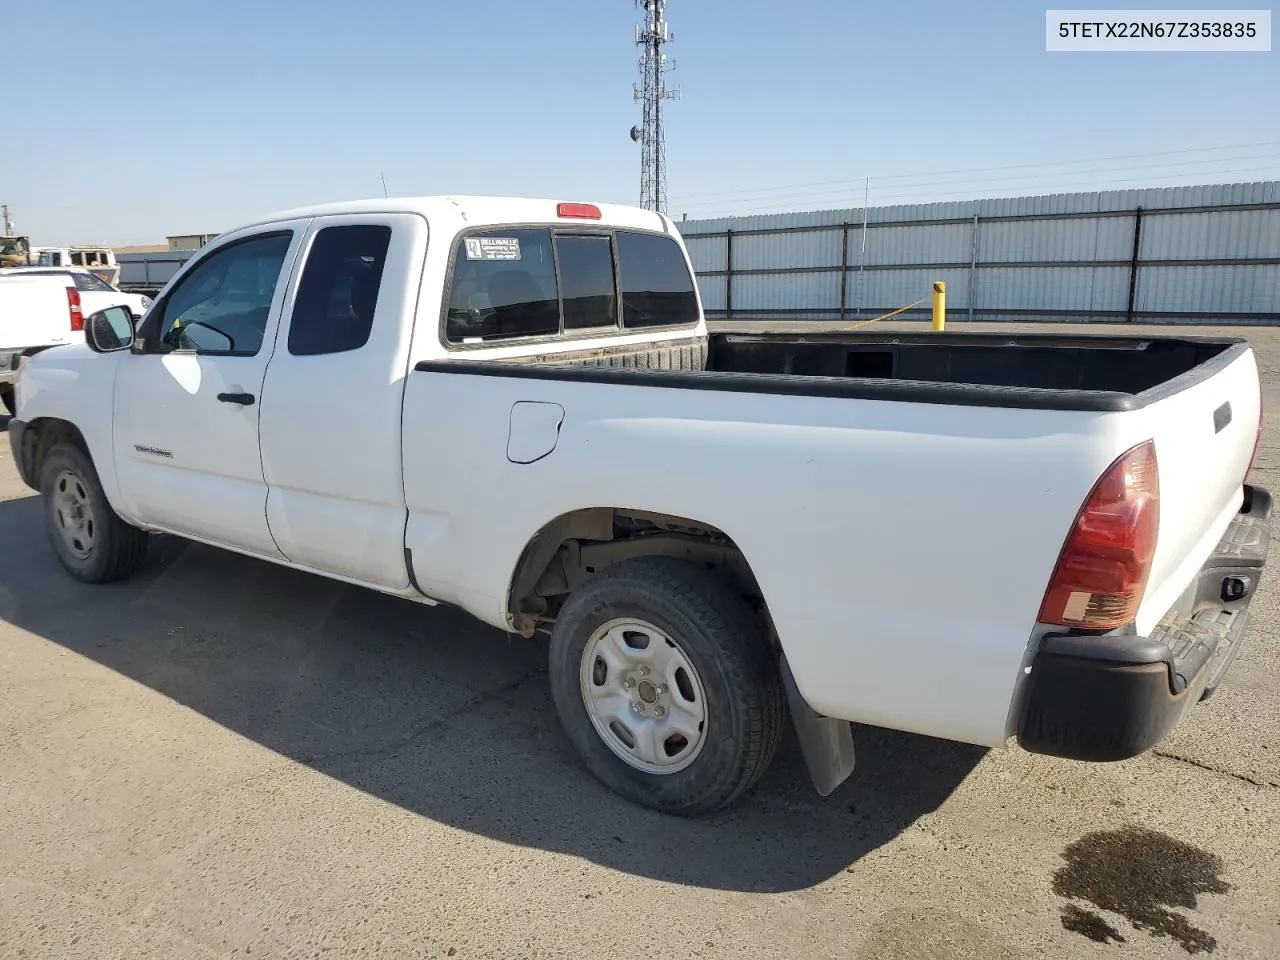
(1115, 696)
(10, 361)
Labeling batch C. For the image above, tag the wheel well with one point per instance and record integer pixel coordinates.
(576, 545)
(39, 438)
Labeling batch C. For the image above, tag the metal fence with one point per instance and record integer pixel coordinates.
(1174, 254)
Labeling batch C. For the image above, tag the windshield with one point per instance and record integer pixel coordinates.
(13, 245)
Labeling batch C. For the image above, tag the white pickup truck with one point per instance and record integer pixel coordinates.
(36, 313)
(42, 307)
(514, 407)
(95, 293)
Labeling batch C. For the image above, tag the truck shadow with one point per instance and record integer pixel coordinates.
(444, 716)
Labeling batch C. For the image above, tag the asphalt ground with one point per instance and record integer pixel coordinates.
(221, 757)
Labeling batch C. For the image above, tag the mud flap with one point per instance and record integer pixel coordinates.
(827, 743)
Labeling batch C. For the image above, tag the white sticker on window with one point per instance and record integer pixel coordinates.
(493, 248)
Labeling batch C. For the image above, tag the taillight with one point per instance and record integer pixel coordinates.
(1102, 570)
(580, 211)
(73, 307)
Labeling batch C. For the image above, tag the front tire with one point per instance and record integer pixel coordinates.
(666, 685)
(89, 539)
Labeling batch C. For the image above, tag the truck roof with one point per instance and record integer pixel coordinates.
(39, 271)
(31, 277)
(477, 211)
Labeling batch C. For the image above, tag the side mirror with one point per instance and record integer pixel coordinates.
(198, 336)
(110, 330)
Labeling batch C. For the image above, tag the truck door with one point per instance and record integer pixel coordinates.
(332, 399)
(188, 397)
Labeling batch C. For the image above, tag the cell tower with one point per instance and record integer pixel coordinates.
(651, 91)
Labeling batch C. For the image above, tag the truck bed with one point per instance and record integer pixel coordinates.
(1036, 371)
(1128, 365)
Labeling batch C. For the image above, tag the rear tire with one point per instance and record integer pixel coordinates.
(89, 539)
(666, 685)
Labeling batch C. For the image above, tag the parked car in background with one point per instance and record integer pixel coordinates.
(95, 293)
(968, 536)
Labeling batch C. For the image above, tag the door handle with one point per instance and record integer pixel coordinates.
(244, 399)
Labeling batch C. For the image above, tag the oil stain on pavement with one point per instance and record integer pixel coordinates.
(1089, 924)
(1141, 875)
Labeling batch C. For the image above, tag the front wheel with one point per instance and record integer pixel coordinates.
(90, 540)
(666, 685)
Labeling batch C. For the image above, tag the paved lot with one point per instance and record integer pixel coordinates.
(225, 758)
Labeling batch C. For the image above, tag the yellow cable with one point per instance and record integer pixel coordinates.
(886, 316)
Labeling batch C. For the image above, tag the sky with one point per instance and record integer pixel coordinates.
(128, 121)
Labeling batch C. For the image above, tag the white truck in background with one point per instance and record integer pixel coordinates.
(36, 312)
(95, 293)
(100, 260)
(36, 316)
(968, 536)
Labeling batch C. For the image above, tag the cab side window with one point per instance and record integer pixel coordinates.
(338, 292)
(221, 306)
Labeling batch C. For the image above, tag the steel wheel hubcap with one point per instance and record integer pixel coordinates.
(72, 514)
(643, 695)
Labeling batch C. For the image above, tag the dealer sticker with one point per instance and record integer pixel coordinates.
(493, 248)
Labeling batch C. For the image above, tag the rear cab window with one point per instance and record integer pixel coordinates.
(657, 290)
(503, 285)
(519, 283)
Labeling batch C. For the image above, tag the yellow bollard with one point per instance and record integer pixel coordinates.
(939, 305)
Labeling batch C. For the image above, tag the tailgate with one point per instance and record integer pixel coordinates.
(1205, 425)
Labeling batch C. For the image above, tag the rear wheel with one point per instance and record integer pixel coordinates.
(666, 685)
(90, 540)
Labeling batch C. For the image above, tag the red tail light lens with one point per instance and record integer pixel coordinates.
(73, 308)
(579, 211)
(1102, 570)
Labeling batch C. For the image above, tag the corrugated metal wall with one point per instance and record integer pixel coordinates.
(1202, 253)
